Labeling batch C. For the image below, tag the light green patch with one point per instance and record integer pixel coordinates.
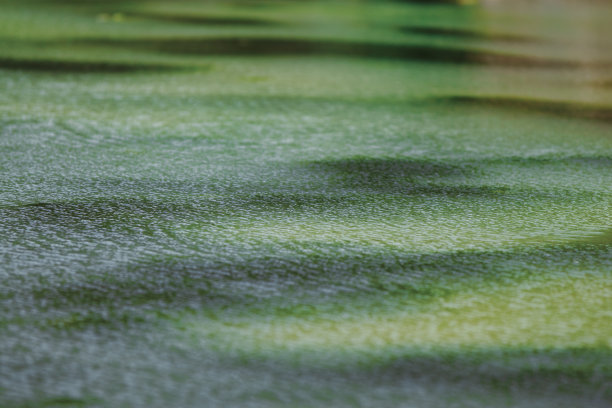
(572, 312)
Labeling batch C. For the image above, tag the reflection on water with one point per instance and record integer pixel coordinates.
(563, 109)
(67, 66)
(202, 20)
(249, 46)
(303, 203)
(466, 34)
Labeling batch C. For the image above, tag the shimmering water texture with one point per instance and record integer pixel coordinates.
(305, 204)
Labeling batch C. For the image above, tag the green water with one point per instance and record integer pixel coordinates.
(305, 204)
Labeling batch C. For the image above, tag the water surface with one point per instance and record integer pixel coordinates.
(262, 204)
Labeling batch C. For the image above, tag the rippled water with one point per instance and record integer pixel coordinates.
(305, 204)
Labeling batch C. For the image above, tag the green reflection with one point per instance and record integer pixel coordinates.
(304, 203)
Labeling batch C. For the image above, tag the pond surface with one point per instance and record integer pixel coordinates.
(305, 204)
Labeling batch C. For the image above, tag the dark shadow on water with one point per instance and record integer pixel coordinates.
(467, 34)
(267, 276)
(562, 109)
(342, 186)
(202, 19)
(403, 176)
(209, 264)
(432, 2)
(439, 179)
(68, 66)
(504, 375)
(270, 46)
